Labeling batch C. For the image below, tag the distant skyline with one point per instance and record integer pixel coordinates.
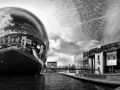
(74, 26)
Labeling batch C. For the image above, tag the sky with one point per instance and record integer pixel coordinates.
(74, 26)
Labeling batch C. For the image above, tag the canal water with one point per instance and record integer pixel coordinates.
(48, 81)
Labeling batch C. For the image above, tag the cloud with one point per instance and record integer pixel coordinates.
(67, 47)
(52, 58)
(55, 44)
(5, 20)
(62, 59)
(63, 46)
(87, 45)
(112, 29)
(65, 58)
(51, 52)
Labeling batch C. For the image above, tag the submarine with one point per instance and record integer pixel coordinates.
(23, 42)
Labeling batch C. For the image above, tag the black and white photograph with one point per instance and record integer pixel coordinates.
(59, 44)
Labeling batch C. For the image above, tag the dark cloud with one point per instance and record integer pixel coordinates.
(94, 29)
(67, 47)
(72, 48)
(55, 37)
(92, 13)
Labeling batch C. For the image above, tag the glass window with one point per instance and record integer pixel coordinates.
(98, 57)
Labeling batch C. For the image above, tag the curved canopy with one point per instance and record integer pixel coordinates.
(26, 21)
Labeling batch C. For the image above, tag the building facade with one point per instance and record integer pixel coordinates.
(105, 59)
(51, 64)
(78, 61)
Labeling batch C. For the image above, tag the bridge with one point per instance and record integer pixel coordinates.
(58, 69)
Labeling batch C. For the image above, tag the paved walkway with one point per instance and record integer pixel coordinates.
(97, 81)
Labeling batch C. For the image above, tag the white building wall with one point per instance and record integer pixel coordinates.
(99, 63)
(90, 63)
(78, 62)
(102, 63)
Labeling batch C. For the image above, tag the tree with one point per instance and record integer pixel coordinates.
(72, 67)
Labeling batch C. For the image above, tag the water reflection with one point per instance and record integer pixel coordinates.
(22, 83)
(45, 82)
(60, 82)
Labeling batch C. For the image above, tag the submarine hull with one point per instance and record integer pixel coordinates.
(15, 63)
